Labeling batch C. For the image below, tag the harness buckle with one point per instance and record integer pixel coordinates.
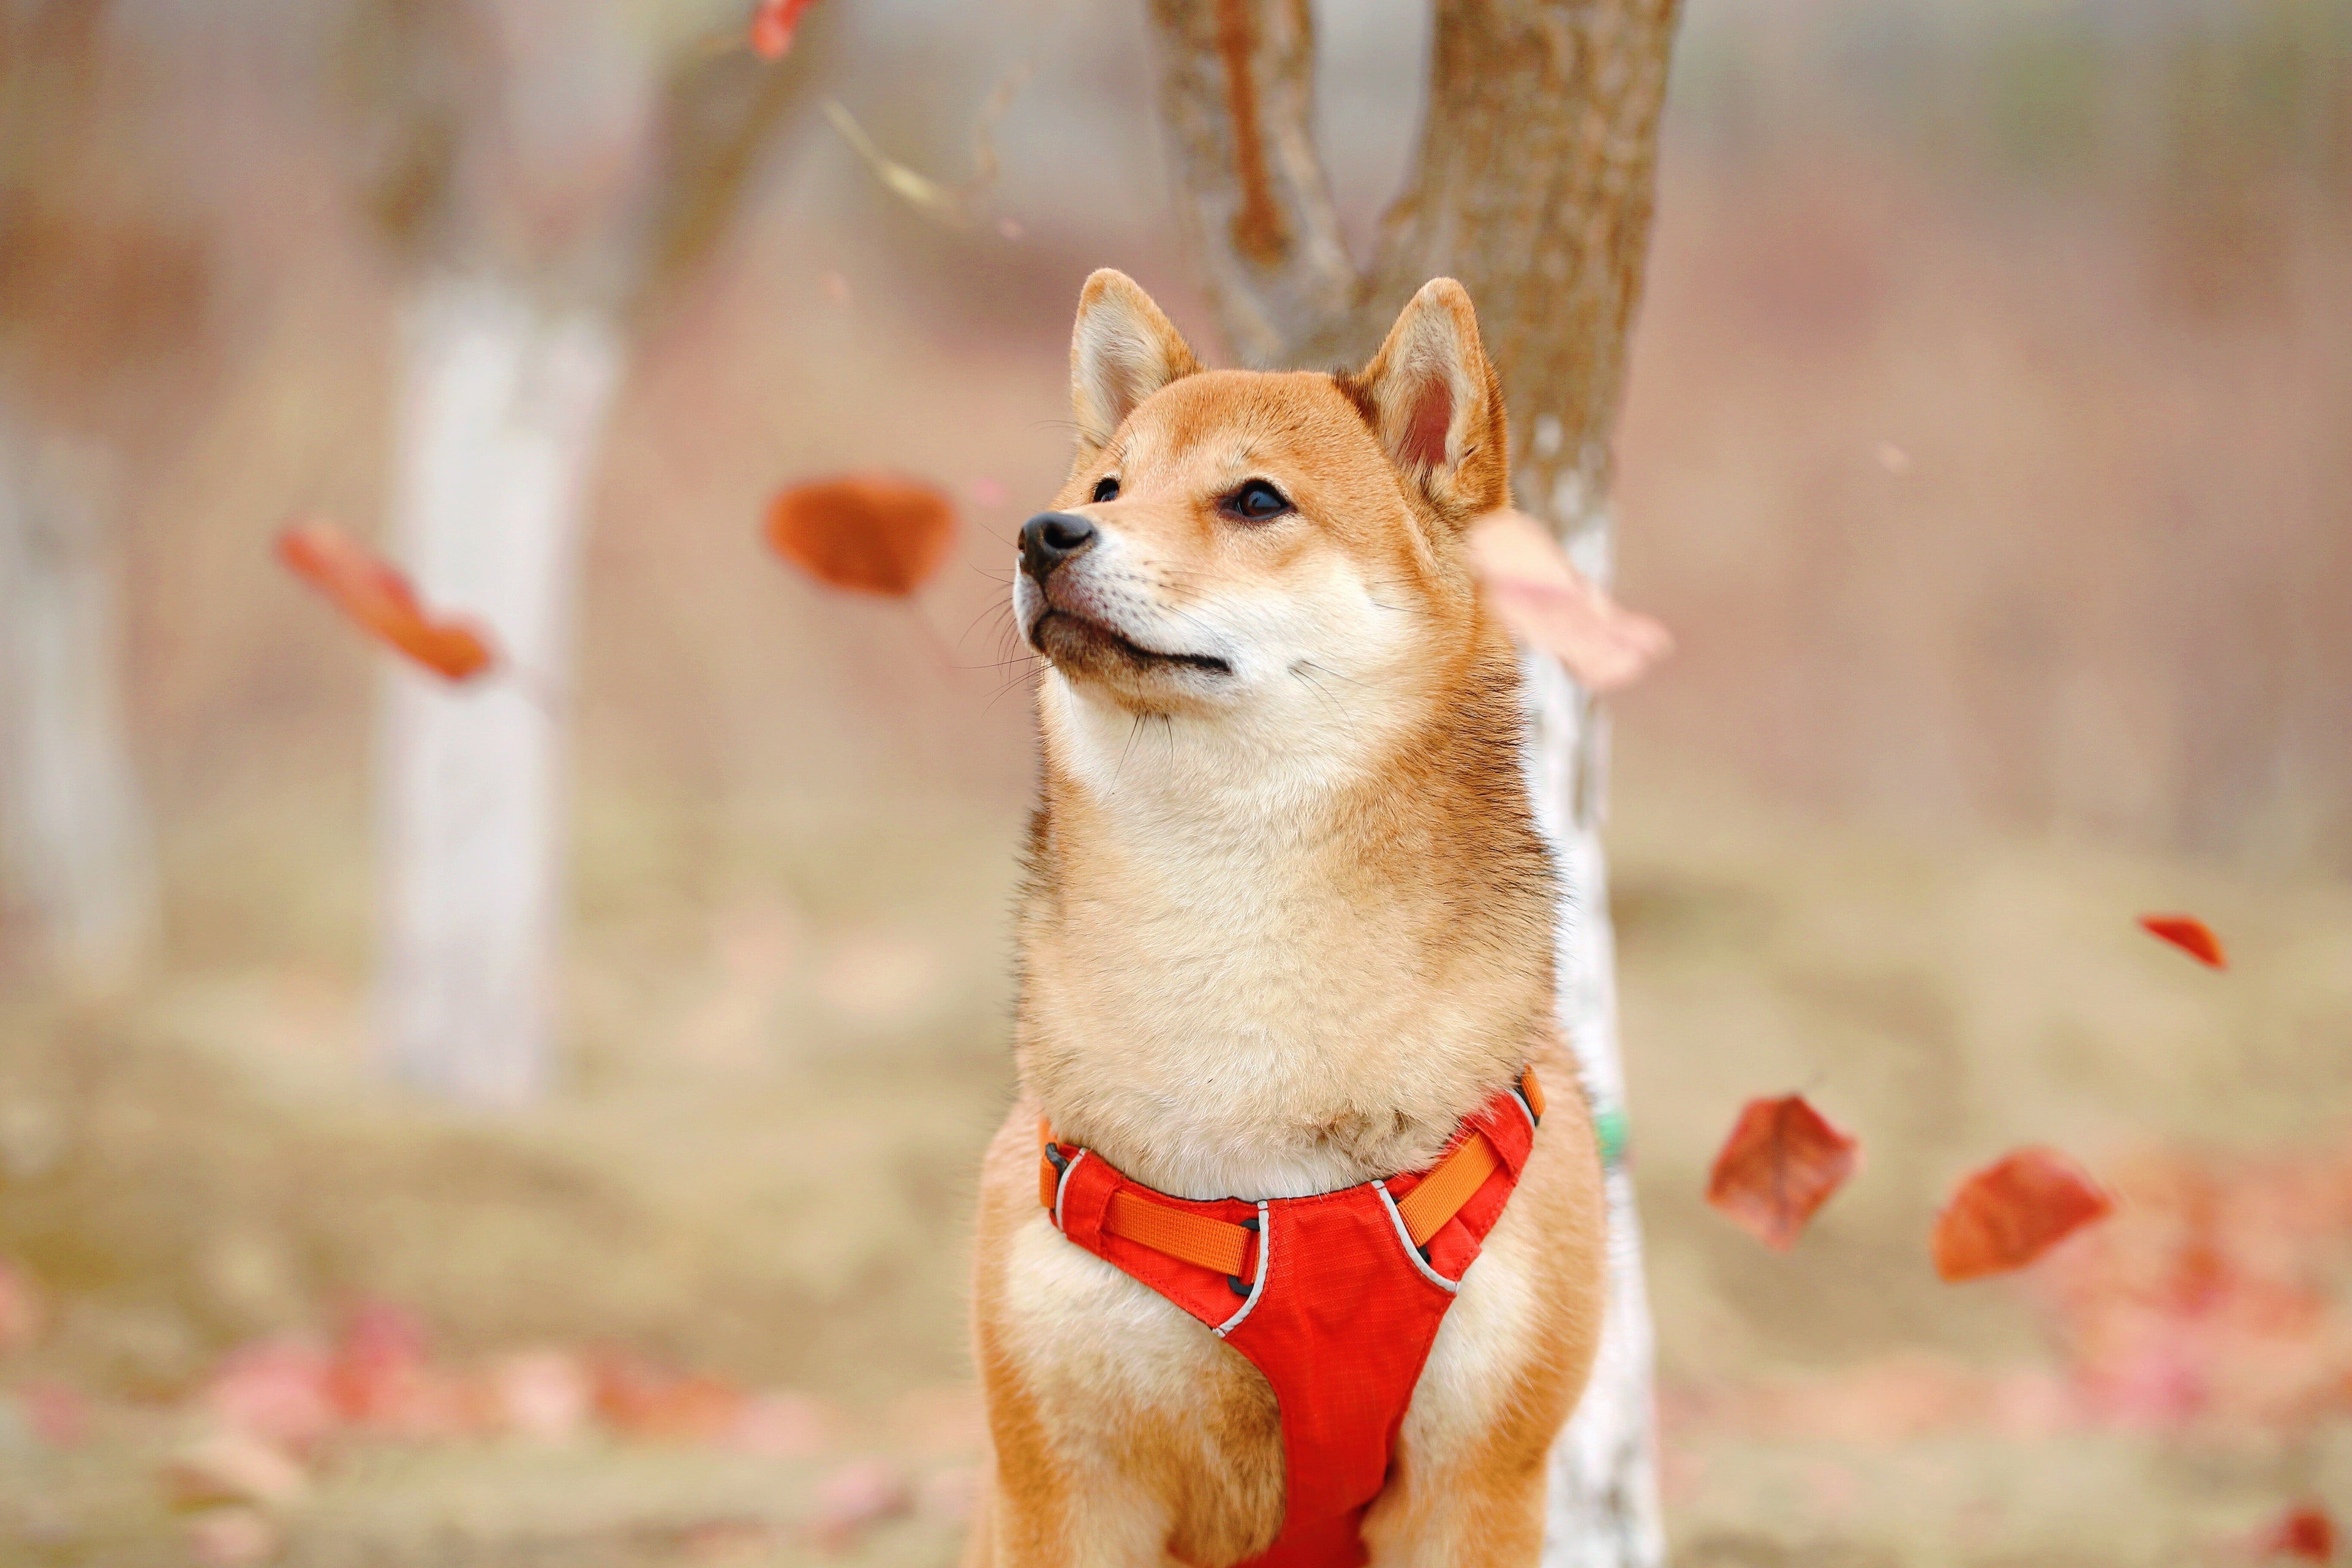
(1234, 1280)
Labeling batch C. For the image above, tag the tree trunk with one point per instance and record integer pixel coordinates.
(1533, 186)
(549, 171)
(502, 408)
(82, 869)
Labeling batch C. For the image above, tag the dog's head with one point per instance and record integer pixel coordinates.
(1279, 554)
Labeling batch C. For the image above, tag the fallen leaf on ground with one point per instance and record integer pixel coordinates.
(780, 1426)
(639, 1399)
(857, 1497)
(58, 1415)
(276, 1390)
(20, 1309)
(1546, 601)
(2011, 1212)
(381, 1377)
(382, 601)
(947, 1496)
(867, 532)
(232, 1537)
(2190, 935)
(1782, 1162)
(773, 22)
(2308, 1533)
(230, 1468)
(545, 1394)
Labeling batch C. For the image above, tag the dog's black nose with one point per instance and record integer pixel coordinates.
(1050, 538)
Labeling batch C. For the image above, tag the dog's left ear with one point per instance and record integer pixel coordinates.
(1436, 404)
(1122, 350)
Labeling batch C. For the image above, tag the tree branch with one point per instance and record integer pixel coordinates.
(1237, 99)
(1535, 185)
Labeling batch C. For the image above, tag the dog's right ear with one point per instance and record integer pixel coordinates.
(1122, 351)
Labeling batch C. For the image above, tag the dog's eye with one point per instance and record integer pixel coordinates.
(1256, 502)
(1105, 488)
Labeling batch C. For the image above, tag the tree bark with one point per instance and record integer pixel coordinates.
(547, 191)
(1533, 186)
(503, 410)
(81, 865)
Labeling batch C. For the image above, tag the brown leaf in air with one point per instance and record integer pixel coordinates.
(381, 600)
(2190, 935)
(1782, 1162)
(868, 533)
(2308, 1533)
(2011, 1212)
(773, 22)
(1546, 601)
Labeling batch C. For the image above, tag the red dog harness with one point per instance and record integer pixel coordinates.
(1335, 1298)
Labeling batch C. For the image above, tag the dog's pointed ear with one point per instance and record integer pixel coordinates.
(1435, 403)
(1121, 352)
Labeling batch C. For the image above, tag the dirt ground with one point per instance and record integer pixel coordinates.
(759, 1170)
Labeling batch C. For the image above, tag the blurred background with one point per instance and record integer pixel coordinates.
(1989, 450)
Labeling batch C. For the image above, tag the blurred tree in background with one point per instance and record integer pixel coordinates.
(549, 172)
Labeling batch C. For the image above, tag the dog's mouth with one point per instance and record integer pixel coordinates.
(1080, 642)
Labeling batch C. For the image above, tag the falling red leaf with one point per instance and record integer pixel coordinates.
(867, 532)
(2190, 935)
(1546, 601)
(2011, 1212)
(381, 600)
(2308, 1533)
(773, 22)
(1781, 1163)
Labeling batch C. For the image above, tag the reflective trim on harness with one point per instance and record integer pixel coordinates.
(1264, 1267)
(1224, 1246)
(1064, 1185)
(1412, 1249)
(1440, 1195)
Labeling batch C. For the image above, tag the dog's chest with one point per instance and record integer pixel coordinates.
(1237, 1029)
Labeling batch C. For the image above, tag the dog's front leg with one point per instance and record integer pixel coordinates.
(1065, 1348)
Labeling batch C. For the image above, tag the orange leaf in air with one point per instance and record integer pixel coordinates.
(2011, 1212)
(1546, 601)
(866, 532)
(2308, 1533)
(381, 601)
(2190, 935)
(1781, 1163)
(773, 22)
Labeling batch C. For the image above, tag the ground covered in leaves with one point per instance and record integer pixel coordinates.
(706, 1306)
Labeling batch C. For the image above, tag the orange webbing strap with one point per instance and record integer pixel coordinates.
(1442, 1192)
(1224, 1246)
(1214, 1244)
(1458, 1177)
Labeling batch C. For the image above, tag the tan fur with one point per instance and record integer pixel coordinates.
(1285, 923)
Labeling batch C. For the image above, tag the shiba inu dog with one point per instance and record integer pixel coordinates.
(1287, 935)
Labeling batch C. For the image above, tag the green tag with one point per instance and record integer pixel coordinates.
(1610, 1127)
